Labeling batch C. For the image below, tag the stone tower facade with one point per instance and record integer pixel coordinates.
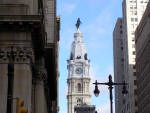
(78, 74)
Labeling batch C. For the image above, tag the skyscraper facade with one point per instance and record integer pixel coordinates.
(143, 62)
(132, 12)
(118, 62)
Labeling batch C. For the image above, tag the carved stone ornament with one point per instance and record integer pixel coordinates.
(16, 53)
(41, 74)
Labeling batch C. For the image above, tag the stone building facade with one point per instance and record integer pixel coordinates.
(28, 60)
(143, 62)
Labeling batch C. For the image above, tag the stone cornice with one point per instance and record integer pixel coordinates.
(20, 18)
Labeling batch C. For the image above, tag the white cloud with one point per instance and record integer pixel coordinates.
(68, 8)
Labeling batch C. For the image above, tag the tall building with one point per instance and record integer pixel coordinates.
(78, 74)
(132, 12)
(28, 60)
(143, 62)
(118, 54)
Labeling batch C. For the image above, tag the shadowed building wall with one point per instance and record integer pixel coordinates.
(28, 61)
(143, 62)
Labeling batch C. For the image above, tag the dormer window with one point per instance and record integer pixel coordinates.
(78, 57)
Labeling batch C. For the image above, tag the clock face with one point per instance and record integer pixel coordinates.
(79, 70)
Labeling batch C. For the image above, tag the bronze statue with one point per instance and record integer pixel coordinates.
(78, 23)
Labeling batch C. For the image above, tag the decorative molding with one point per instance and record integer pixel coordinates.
(19, 54)
(40, 74)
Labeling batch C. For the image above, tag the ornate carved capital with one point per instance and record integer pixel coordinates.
(19, 54)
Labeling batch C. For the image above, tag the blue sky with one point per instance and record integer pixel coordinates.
(98, 20)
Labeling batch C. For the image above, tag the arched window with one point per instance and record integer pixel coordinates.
(79, 87)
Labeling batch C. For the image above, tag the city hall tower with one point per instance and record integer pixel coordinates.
(78, 73)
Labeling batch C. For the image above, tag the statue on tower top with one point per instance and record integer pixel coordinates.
(78, 23)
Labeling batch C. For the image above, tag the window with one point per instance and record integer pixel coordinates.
(146, 2)
(79, 87)
(131, 7)
(133, 45)
(132, 26)
(133, 39)
(135, 82)
(135, 91)
(136, 103)
(133, 52)
(134, 66)
(121, 32)
(134, 73)
(132, 33)
(127, 106)
(136, 19)
(132, 19)
(121, 48)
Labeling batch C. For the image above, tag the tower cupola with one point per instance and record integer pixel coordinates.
(78, 51)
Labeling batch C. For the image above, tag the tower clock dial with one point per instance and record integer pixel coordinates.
(79, 70)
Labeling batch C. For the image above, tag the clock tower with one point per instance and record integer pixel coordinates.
(78, 73)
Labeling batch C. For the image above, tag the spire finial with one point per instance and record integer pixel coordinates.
(78, 23)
